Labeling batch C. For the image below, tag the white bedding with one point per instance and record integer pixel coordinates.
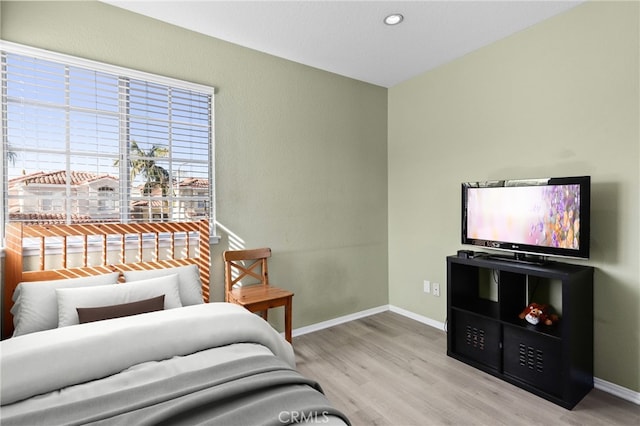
(135, 376)
(42, 362)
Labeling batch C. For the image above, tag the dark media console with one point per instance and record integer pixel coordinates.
(485, 296)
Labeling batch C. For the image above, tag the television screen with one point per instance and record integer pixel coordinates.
(547, 216)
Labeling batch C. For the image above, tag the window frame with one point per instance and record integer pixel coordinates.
(120, 72)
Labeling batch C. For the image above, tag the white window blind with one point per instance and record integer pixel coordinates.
(88, 142)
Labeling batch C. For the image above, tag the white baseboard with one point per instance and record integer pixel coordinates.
(340, 320)
(428, 321)
(603, 385)
(617, 390)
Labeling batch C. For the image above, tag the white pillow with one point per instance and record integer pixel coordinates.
(71, 298)
(35, 305)
(188, 279)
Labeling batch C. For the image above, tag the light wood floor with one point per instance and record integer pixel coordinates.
(387, 369)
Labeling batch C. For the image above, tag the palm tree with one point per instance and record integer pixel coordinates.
(12, 156)
(145, 165)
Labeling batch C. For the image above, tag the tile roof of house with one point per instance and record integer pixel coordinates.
(194, 182)
(78, 178)
(145, 203)
(59, 178)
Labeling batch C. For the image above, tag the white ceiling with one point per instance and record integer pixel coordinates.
(349, 37)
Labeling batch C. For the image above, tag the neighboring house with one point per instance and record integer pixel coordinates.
(190, 201)
(193, 198)
(43, 197)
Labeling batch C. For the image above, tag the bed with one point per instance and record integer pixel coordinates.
(111, 325)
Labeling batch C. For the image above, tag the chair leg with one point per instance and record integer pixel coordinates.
(287, 321)
(265, 314)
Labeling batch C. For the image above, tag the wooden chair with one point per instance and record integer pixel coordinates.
(259, 296)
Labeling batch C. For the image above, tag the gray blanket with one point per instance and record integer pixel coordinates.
(258, 390)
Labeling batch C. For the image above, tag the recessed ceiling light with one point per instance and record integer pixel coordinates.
(393, 19)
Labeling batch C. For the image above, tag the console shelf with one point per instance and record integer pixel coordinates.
(484, 298)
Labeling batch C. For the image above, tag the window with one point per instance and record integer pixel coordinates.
(46, 203)
(89, 142)
(106, 199)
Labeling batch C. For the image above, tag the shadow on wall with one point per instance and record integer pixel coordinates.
(616, 316)
(232, 240)
(606, 211)
(229, 240)
(616, 302)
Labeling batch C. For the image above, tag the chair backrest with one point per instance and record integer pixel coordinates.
(239, 264)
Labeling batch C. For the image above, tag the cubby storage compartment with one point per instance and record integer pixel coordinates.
(477, 338)
(485, 296)
(533, 358)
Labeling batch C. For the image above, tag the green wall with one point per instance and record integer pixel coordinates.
(301, 154)
(558, 99)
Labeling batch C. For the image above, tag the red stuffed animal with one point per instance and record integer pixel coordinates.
(535, 313)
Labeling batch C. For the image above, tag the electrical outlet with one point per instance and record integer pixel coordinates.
(436, 289)
(427, 286)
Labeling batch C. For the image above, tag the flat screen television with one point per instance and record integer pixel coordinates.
(542, 217)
